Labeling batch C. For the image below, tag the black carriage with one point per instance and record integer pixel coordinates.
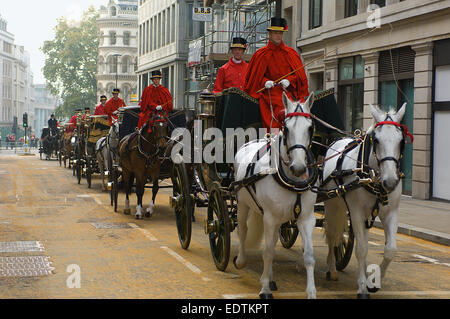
(97, 126)
(211, 185)
(48, 144)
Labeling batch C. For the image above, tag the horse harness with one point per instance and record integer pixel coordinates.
(366, 176)
(279, 174)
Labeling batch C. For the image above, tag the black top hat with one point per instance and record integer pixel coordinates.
(278, 24)
(240, 43)
(156, 74)
(103, 98)
(116, 91)
(87, 109)
(78, 110)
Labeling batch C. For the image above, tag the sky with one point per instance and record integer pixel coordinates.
(32, 22)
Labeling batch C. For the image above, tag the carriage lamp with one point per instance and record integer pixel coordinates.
(110, 186)
(207, 105)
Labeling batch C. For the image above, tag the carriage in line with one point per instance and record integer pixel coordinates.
(49, 144)
(212, 185)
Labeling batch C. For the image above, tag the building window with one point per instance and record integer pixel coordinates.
(351, 8)
(351, 92)
(113, 11)
(380, 3)
(315, 13)
(112, 38)
(126, 38)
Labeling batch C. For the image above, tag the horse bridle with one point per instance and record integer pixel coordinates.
(405, 132)
(298, 112)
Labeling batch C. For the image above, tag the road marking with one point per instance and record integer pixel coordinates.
(146, 233)
(373, 243)
(344, 293)
(186, 263)
(431, 260)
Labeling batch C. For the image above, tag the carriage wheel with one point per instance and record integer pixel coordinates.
(218, 218)
(79, 166)
(288, 234)
(115, 188)
(110, 178)
(184, 207)
(343, 253)
(89, 172)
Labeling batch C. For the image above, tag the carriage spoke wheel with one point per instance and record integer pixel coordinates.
(343, 252)
(219, 237)
(183, 204)
(288, 234)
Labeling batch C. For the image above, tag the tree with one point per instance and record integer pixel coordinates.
(71, 63)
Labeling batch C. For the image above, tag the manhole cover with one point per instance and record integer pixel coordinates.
(20, 246)
(111, 225)
(32, 266)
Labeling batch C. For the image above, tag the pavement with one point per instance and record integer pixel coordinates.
(425, 219)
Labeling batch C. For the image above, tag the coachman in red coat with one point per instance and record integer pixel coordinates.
(233, 73)
(101, 109)
(113, 105)
(155, 98)
(268, 65)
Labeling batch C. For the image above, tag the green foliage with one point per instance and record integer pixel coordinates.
(71, 63)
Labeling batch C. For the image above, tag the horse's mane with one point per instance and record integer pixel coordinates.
(391, 112)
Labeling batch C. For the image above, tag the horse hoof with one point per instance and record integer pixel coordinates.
(265, 296)
(148, 215)
(363, 296)
(373, 290)
(330, 277)
(273, 286)
(139, 216)
(127, 211)
(234, 262)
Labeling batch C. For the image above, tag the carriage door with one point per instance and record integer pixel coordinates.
(394, 94)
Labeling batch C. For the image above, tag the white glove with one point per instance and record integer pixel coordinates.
(269, 85)
(285, 83)
(159, 108)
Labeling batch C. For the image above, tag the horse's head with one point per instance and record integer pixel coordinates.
(388, 138)
(298, 130)
(159, 129)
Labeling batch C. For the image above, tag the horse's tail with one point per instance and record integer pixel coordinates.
(335, 221)
(255, 230)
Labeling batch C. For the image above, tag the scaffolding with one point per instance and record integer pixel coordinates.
(232, 18)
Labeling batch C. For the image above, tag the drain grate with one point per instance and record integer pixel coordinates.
(33, 266)
(20, 246)
(111, 225)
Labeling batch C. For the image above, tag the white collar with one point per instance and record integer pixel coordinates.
(236, 61)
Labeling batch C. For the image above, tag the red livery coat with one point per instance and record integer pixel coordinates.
(111, 106)
(151, 98)
(100, 110)
(231, 75)
(270, 63)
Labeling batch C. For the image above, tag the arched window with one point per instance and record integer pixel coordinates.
(112, 63)
(126, 65)
(113, 11)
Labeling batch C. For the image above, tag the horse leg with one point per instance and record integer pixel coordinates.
(306, 224)
(240, 261)
(270, 229)
(390, 225)
(127, 185)
(361, 237)
(140, 184)
(155, 190)
(335, 217)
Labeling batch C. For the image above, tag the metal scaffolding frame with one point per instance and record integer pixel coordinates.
(233, 18)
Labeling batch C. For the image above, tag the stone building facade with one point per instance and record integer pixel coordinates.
(402, 61)
(118, 43)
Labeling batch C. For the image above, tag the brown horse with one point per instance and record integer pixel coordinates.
(140, 158)
(67, 148)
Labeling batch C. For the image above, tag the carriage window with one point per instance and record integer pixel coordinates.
(351, 91)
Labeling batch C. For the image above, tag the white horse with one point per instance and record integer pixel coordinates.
(105, 149)
(278, 203)
(384, 158)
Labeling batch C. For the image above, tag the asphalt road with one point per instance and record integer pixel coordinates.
(42, 204)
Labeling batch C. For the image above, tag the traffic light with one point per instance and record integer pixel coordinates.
(25, 120)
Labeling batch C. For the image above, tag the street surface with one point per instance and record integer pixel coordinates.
(42, 202)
